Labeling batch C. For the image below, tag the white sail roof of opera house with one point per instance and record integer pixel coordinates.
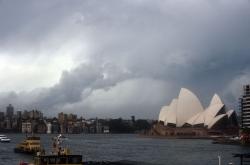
(230, 113)
(215, 120)
(163, 113)
(172, 112)
(188, 110)
(215, 100)
(188, 105)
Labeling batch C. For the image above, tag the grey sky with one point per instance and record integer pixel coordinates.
(117, 58)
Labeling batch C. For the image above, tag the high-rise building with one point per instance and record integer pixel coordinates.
(8, 123)
(133, 119)
(72, 117)
(19, 114)
(1, 116)
(25, 115)
(245, 107)
(62, 118)
(9, 111)
(35, 114)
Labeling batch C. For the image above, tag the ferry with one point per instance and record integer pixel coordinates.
(58, 156)
(31, 145)
(4, 139)
(58, 160)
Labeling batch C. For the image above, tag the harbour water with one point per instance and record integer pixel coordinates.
(97, 147)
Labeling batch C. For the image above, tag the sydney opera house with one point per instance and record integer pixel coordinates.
(187, 113)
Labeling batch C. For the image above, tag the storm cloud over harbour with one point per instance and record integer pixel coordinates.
(121, 58)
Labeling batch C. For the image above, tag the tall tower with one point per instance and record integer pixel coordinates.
(245, 107)
(9, 111)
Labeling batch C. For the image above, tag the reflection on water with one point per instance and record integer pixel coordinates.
(132, 148)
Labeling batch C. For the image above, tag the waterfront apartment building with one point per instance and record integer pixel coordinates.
(245, 107)
(26, 127)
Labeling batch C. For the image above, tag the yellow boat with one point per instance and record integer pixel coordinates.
(31, 145)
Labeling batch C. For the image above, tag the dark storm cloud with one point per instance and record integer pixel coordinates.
(140, 53)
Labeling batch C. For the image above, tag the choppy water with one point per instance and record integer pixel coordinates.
(134, 148)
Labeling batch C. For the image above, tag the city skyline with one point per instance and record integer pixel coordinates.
(118, 59)
(10, 111)
(33, 121)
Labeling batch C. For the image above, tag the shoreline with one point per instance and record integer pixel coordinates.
(176, 137)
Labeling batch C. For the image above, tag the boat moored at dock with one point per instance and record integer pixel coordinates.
(58, 159)
(4, 139)
(31, 145)
(58, 156)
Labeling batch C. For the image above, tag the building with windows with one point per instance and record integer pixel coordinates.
(26, 127)
(245, 107)
(1, 116)
(19, 114)
(35, 114)
(9, 111)
(49, 126)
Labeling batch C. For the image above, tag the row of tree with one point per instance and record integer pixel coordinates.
(120, 126)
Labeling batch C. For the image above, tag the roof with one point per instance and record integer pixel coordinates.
(193, 119)
(215, 120)
(162, 113)
(211, 112)
(230, 113)
(188, 106)
(172, 116)
(215, 100)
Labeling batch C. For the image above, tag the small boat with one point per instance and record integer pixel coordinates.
(31, 145)
(227, 140)
(4, 139)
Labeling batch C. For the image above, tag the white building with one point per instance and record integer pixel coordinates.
(26, 127)
(187, 111)
(49, 126)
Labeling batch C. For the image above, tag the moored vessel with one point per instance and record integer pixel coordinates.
(66, 159)
(31, 145)
(58, 156)
(4, 139)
